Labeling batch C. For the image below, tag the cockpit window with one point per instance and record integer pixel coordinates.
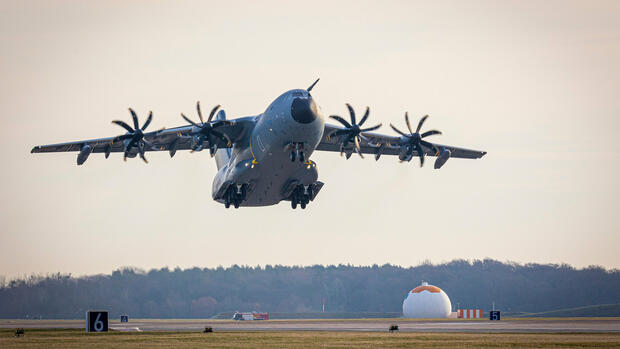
(298, 94)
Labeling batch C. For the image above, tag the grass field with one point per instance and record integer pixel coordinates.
(50, 339)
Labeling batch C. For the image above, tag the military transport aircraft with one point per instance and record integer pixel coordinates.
(265, 159)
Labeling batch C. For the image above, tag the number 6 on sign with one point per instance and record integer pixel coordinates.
(96, 321)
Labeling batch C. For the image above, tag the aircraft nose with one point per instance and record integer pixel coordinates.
(304, 110)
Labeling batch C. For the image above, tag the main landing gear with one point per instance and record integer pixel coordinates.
(235, 195)
(302, 196)
(297, 152)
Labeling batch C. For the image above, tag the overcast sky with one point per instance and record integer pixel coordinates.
(536, 84)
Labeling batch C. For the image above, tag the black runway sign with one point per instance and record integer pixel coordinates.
(96, 321)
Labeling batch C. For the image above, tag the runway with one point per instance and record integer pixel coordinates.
(532, 325)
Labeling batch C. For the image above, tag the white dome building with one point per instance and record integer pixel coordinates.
(427, 301)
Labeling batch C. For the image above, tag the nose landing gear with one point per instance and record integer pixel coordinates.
(235, 195)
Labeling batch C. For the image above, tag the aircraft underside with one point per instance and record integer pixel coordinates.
(269, 182)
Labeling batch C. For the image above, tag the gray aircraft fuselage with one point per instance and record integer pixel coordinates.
(263, 160)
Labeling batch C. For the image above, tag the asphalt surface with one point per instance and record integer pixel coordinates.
(405, 325)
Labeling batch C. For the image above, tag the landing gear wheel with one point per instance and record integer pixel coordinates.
(292, 156)
(302, 158)
(301, 196)
(229, 198)
(244, 191)
(235, 196)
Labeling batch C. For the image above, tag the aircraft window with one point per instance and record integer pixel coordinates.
(298, 94)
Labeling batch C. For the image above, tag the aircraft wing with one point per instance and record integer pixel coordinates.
(378, 144)
(173, 139)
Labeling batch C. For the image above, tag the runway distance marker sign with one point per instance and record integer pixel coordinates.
(96, 321)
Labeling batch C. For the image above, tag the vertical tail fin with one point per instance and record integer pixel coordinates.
(222, 156)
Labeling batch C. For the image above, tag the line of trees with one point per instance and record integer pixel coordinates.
(204, 292)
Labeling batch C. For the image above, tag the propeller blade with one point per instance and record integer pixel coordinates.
(398, 131)
(408, 123)
(213, 112)
(357, 146)
(148, 121)
(430, 133)
(365, 116)
(371, 128)
(344, 122)
(421, 123)
(190, 121)
(123, 125)
(351, 113)
(430, 145)
(199, 112)
(222, 137)
(135, 119)
(420, 153)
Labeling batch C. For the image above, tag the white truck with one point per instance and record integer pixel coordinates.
(250, 316)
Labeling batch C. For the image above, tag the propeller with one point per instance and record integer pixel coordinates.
(353, 130)
(135, 135)
(207, 128)
(414, 139)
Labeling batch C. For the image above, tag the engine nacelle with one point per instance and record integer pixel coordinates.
(197, 143)
(405, 154)
(444, 155)
(84, 153)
